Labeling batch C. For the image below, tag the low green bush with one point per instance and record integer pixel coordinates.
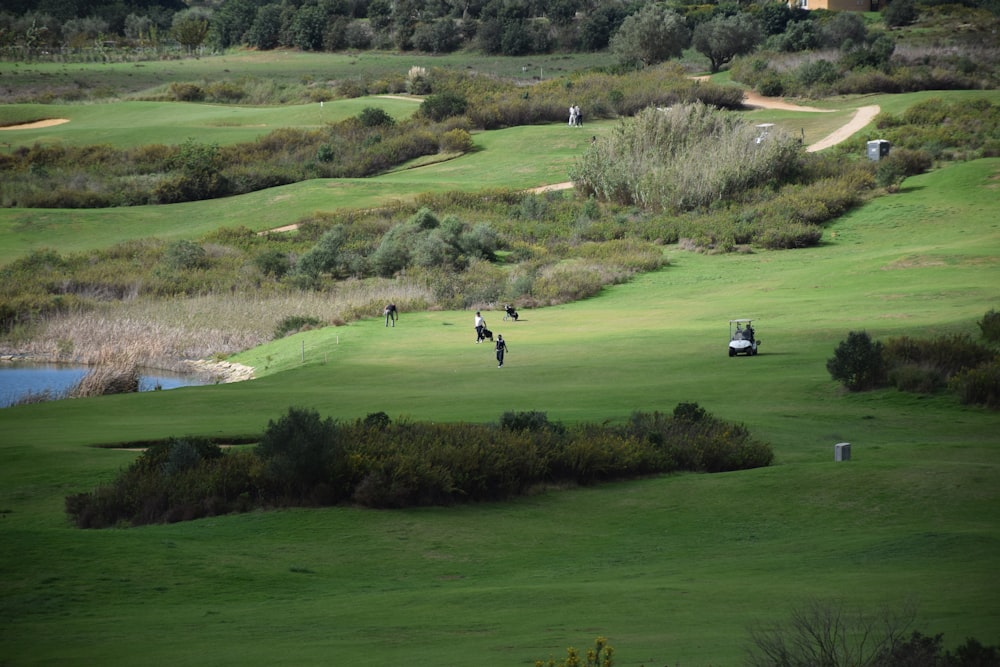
(184, 254)
(295, 324)
(186, 92)
(919, 365)
(789, 236)
(979, 386)
(303, 459)
(857, 362)
(947, 355)
(989, 326)
(916, 379)
(181, 479)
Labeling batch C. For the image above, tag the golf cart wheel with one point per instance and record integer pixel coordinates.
(732, 352)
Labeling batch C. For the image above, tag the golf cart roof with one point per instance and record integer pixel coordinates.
(743, 320)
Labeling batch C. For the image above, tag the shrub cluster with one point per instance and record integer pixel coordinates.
(830, 633)
(969, 368)
(956, 130)
(303, 459)
(101, 176)
(683, 158)
(926, 365)
(989, 326)
(458, 262)
(836, 54)
(602, 94)
(296, 323)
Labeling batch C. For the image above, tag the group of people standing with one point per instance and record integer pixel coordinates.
(391, 313)
(575, 117)
(500, 344)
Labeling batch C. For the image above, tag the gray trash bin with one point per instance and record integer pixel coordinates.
(878, 149)
(842, 451)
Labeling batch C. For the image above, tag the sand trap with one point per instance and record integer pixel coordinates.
(38, 124)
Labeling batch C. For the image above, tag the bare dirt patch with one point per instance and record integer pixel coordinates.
(222, 371)
(37, 125)
(752, 99)
(551, 188)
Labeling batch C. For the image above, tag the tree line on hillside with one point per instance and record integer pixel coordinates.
(305, 460)
(639, 34)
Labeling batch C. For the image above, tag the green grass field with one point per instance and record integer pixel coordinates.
(671, 569)
(129, 124)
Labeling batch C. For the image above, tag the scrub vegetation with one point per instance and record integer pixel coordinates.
(922, 365)
(469, 250)
(305, 460)
(508, 535)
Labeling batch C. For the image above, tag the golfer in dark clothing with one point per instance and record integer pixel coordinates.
(391, 314)
(501, 349)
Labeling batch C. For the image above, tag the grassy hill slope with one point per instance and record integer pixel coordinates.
(671, 569)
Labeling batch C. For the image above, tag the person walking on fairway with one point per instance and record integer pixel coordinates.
(480, 325)
(391, 314)
(501, 350)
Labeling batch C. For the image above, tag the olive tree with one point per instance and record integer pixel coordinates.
(190, 27)
(723, 38)
(654, 34)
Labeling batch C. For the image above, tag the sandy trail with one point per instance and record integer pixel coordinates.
(752, 99)
(861, 118)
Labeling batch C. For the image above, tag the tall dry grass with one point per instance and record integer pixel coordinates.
(116, 372)
(165, 333)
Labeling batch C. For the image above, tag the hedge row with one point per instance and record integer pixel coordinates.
(304, 460)
(922, 365)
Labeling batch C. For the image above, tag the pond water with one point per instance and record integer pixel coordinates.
(17, 380)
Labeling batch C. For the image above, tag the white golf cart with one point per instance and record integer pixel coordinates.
(742, 338)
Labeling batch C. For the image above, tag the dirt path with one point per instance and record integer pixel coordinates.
(752, 99)
(861, 118)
